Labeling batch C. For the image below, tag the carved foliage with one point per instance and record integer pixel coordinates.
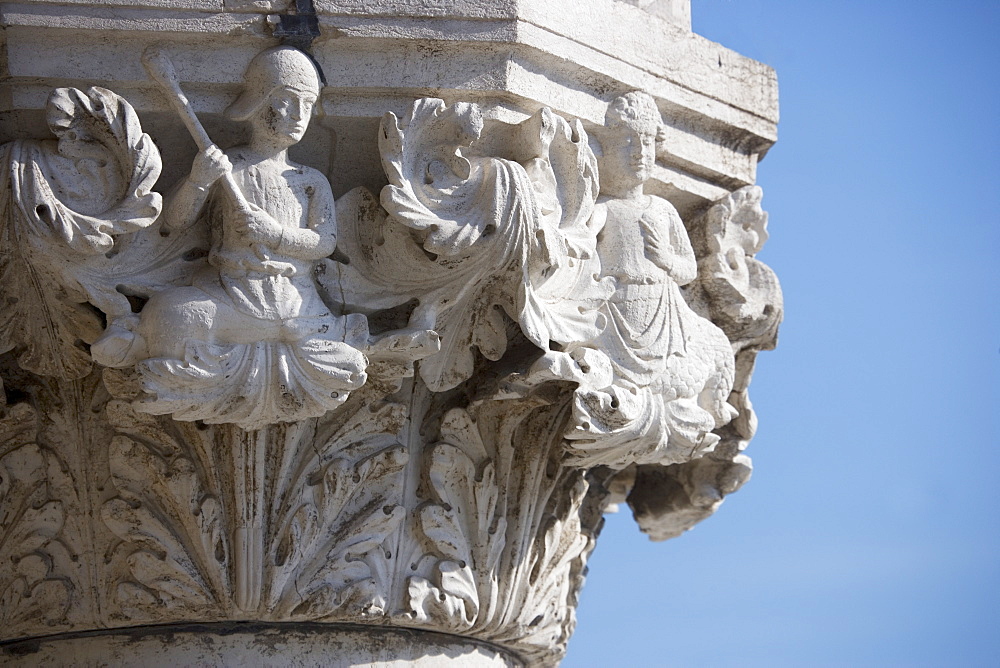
(39, 316)
(61, 202)
(310, 503)
(556, 567)
(473, 217)
(169, 516)
(469, 240)
(507, 545)
(327, 555)
(740, 293)
(465, 526)
(37, 586)
(299, 521)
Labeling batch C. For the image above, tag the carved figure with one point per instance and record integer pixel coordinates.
(673, 370)
(250, 341)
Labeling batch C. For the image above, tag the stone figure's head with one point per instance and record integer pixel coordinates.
(629, 145)
(281, 88)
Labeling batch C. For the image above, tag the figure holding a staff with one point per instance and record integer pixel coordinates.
(250, 341)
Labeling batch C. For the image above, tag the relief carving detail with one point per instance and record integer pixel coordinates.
(408, 408)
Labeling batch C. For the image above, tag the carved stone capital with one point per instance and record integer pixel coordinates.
(241, 406)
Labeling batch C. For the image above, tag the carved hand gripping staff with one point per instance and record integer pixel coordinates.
(406, 410)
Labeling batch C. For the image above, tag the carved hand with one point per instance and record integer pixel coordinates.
(666, 245)
(209, 166)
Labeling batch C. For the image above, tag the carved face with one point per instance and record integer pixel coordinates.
(286, 114)
(630, 155)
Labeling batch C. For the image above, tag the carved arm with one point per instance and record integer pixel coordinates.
(186, 202)
(319, 238)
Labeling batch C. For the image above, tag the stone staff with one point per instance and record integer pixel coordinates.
(157, 64)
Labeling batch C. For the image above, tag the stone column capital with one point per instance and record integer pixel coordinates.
(352, 371)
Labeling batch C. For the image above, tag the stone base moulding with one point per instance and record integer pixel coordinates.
(337, 356)
(254, 644)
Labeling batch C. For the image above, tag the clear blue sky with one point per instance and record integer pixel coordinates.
(870, 532)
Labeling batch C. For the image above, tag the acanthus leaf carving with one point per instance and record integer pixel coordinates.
(328, 552)
(473, 238)
(335, 568)
(496, 571)
(269, 462)
(465, 526)
(41, 318)
(62, 206)
(194, 543)
(456, 204)
(175, 546)
(547, 616)
(37, 577)
(738, 292)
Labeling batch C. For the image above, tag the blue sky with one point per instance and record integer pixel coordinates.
(870, 532)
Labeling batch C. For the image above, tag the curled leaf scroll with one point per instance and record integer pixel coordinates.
(474, 239)
(63, 202)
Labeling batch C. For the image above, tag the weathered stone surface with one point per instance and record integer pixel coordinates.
(302, 646)
(383, 369)
(719, 109)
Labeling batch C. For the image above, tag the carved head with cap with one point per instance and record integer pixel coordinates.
(281, 88)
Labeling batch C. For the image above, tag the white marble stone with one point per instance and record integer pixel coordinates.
(719, 108)
(375, 353)
(222, 646)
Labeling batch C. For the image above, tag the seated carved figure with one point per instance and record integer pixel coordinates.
(673, 370)
(250, 341)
